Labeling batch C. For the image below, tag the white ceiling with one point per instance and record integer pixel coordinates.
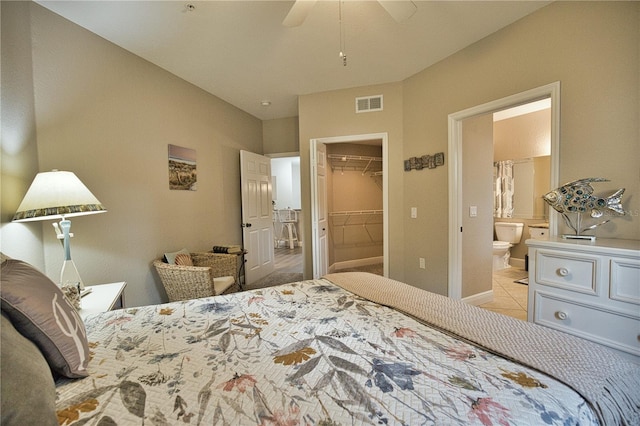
(241, 52)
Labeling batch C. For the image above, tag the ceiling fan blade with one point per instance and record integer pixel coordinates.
(298, 13)
(399, 10)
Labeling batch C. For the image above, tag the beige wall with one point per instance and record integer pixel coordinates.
(280, 135)
(19, 160)
(108, 116)
(525, 136)
(332, 114)
(592, 49)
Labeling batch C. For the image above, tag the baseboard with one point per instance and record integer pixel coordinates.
(516, 263)
(356, 263)
(479, 298)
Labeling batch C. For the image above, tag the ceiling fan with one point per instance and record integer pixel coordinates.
(400, 10)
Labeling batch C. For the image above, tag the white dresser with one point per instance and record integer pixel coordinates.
(589, 289)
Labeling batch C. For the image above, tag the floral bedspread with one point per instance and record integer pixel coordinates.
(307, 353)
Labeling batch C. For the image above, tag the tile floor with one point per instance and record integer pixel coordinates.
(509, 297)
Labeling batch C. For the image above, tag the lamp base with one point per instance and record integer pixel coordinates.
(69, 275)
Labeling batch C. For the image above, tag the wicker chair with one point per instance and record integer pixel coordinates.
(211, 275)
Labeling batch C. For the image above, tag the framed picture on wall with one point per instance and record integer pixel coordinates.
(182, 168)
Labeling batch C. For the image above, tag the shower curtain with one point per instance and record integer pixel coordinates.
(503, 189)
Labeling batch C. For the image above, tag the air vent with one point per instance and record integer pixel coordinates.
(369, 103)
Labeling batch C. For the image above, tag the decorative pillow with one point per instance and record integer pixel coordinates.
(171, 257)
(184, 259)
(40, 312)
(27, 389)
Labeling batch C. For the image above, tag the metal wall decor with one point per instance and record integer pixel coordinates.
(424, 162)
(576, 198)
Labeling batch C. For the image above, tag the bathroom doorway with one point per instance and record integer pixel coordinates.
(521, 176)
(464, 215)
(508, 152)
(521, 172)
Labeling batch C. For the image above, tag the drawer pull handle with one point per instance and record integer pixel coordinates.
(563, 272)
(561, 315)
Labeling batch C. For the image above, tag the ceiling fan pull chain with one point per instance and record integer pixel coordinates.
(343, 55)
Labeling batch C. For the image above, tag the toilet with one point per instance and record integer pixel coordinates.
(508, 234)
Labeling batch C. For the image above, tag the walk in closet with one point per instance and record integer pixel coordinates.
(354, 199)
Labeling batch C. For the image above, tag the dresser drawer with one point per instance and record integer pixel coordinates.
(618, 330)
(625, 280)
(569, 271)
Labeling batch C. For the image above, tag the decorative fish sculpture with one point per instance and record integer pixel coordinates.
(577, 197)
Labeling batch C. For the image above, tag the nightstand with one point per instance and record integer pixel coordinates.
(102, 298)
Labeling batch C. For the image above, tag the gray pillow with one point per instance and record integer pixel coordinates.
(40, 312)
(26, 385)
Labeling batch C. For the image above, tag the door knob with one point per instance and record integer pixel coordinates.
(246, 225)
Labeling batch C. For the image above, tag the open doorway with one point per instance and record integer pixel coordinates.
(349, 204)
(287, 214)
(354, 200)
(508, 173)
(459, 207)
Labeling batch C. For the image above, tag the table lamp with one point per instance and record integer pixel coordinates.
(59, 195)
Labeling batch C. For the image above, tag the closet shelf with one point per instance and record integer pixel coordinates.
(357, 163)
(355, 212)
(344, 220)
(356, 217)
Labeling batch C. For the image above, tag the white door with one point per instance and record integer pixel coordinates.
(477, 191)
(257, 223)
(319, 214)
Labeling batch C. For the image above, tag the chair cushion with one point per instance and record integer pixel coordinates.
(40, 312)
(183, 259)
(27, 389)
(171, 257)
(221, 284)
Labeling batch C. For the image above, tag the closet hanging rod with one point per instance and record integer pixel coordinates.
(354, 162)
(342, 157)
(355, 212)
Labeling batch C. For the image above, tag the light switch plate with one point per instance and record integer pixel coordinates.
(473, 211)
(414, 212)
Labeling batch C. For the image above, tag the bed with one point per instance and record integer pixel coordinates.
(350, 348)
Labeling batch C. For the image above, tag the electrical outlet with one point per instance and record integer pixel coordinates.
(422, 263)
